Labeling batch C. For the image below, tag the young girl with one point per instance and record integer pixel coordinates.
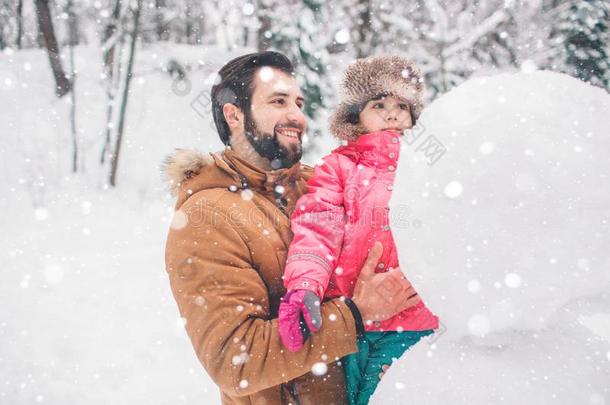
(346, 210)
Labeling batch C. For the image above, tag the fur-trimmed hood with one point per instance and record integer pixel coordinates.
(189, 171)
(370, 77)
(181, 165)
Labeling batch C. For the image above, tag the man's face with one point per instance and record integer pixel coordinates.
(276, 124)
(386, 114)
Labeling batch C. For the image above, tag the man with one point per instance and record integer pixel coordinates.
(227, 246)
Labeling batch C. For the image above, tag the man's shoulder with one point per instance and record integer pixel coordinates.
(219, 199)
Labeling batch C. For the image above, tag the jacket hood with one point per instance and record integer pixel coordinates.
(181, 165)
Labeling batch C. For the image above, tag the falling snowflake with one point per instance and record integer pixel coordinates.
(453, 189)
(41, 214)
(478, 325)
(319, 369)
(248, 9)
(474, 286)
(179, 220)
(342, 36)
(265, 74)
(53, 274)
(486, 148)
(512, 280)
(247, 194)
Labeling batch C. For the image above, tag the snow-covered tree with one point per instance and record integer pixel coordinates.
(585, 30)
(297, 32)
(448, 40)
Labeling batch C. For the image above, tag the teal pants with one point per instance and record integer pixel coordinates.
(375, 350)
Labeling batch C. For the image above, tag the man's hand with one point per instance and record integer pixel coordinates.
(380, 296)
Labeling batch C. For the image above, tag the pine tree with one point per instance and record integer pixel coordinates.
(296, 32)
(585, 29)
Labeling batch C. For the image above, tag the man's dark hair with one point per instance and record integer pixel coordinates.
(236, 85)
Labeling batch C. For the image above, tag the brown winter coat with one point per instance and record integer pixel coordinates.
(225, 257)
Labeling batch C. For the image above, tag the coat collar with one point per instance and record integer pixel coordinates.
(380, 149)
(188, 172)
(258, 179)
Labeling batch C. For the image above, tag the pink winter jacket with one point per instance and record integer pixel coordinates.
(344, 211)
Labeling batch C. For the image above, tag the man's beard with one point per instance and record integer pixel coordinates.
(268, 146)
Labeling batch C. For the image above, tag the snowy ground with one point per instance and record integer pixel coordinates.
(87, 314)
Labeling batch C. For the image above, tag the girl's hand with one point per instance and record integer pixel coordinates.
(299, 316)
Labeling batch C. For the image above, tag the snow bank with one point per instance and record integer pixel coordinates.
(505, 236)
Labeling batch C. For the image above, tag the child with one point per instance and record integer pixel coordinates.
(346, 210)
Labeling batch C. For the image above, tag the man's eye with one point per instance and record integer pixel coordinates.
(278, 101)
(300, 105)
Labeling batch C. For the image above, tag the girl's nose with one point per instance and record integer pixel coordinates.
(391, 115)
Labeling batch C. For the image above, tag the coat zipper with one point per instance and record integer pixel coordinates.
(280, 201)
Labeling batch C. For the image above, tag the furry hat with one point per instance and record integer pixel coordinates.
(371, 77)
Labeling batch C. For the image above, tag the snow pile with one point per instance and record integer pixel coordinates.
(506, 240)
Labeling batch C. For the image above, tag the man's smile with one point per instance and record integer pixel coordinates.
(293, 133)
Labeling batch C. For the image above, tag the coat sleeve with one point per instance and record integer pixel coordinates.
(318, 224)
(225, 306)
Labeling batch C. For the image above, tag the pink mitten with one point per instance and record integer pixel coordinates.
(299, 316)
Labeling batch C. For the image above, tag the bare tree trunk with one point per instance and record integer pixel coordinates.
(45, 26)
(443, 67)
(130, 61)
(161, 29)
(72, 42)
(110, 67)
(188, 21)
(200, 26)
(264, 26)
(364, 29)
(19, 23)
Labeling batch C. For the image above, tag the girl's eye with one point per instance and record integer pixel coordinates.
(404, 107)
(378, 105)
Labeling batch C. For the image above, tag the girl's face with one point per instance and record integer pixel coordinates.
(386, 114)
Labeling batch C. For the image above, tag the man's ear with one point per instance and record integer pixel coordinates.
(233, 115)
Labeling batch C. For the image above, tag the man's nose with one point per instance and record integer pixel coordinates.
(296, 115)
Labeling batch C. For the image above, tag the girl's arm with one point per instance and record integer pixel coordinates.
(318, 225)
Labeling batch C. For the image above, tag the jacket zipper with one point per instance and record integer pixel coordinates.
(281, 204)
